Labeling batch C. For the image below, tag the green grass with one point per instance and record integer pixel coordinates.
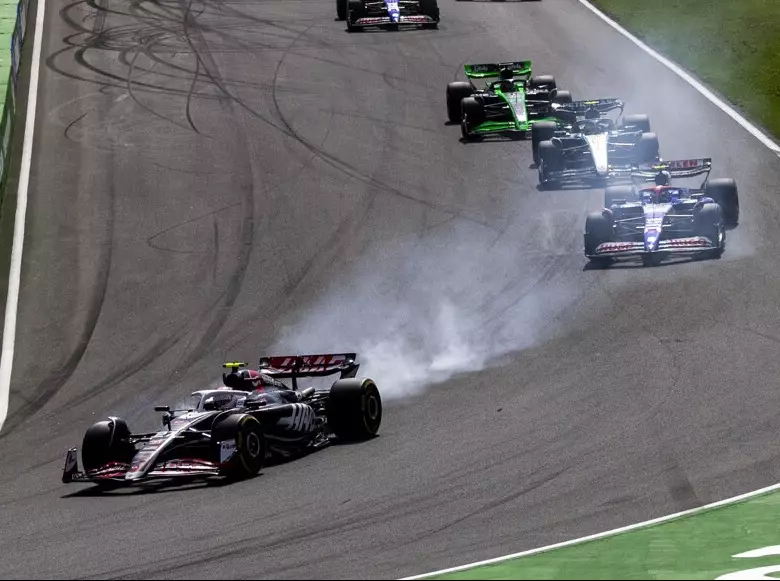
(699, 546)
(731, 45)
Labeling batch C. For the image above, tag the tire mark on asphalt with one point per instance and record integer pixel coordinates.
(52, 384)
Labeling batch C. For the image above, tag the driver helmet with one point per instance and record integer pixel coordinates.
(592, 114)
(658, 195)
(663, 178)
(244, 379)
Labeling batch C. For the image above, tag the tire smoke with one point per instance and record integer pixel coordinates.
(423, 310)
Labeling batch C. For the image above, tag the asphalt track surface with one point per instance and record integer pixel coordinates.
(205, 170)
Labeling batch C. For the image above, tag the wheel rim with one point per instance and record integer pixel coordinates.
(373, 408)
(253, 446)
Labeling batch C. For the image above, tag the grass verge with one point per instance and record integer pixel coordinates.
(733, 46)
(737, 541)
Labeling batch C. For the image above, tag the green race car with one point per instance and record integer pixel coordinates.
(510, 104)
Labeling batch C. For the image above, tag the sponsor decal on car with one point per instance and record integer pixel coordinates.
(614, 247)
(227, 450)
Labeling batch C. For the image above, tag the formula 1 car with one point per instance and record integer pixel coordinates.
(231, 431)
(582, 145)
(389, 14)
(510, 105)
(656, 222)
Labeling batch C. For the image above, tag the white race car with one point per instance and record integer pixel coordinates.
(585, 146)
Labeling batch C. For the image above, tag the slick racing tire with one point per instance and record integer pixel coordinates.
(456, 92)
(355, 11)
(599, 228)
(430, 8)
(561, 96)
(708, 222)
(354, 409)
(647, 148)
(622, 194)
(473, 115)
(539, 81)
(541, 131)
(247, 434)
(550, 160)
(724, 192)
(341, 9)
(106, 442)
(637, 122)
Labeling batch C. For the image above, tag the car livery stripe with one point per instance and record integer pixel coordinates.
(516, 102)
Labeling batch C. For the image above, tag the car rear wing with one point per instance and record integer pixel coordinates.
(295, 366)
(579, 108)
(679, 168)
(320, 365)
(484, 71)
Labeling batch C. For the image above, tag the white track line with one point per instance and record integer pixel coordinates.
(15, 272)
(758, 134)
(690, 79)
(625, 529)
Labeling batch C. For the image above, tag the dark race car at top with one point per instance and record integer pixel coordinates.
(664, 220)
(233, 430)
(388, 14)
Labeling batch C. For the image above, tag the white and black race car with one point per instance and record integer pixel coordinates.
(233, 430)
(584, 146)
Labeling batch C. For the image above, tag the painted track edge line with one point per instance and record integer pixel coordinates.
(690, 79)
(602, 535)
(15, 270)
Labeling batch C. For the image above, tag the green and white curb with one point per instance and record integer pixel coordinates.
(737, 538)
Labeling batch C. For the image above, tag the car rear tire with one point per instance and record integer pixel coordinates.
(724, 192)
(637, 122)
(354, 409)
(542, 81)
(561, 97)
(541, 131)
(341, 9)
(106, 442)
(456, 92)
(648, 149)
(613, 193)
(247, 434)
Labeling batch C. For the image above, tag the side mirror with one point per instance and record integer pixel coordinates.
(162, 408)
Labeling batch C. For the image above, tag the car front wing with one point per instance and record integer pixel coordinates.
(688, 245)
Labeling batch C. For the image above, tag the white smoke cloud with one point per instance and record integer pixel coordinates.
(426, 308)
